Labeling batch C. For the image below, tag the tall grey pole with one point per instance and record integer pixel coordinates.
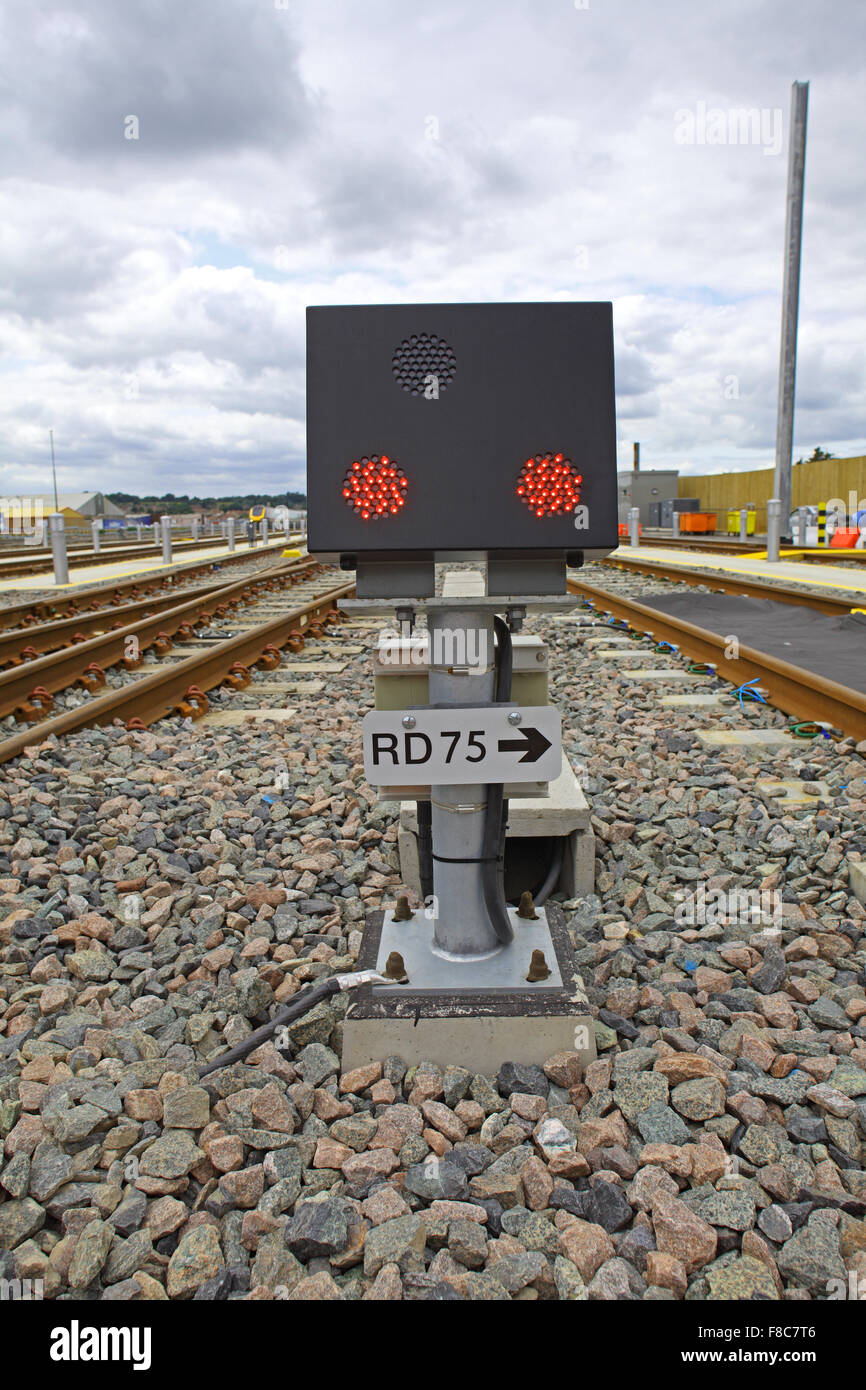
(94, 531)
(230, 531)
(165, 527)
(790, 302)
(54, 471)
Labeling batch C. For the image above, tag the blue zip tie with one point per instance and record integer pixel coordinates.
(746, 690)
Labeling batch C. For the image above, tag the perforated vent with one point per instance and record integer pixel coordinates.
(424, 365)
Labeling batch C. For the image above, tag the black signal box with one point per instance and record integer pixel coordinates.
(442, 428)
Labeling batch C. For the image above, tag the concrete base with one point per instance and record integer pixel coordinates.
(478, 1027)
(564, 813)
(749, 738)
(789, 792)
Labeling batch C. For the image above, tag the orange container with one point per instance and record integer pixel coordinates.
(845, 539)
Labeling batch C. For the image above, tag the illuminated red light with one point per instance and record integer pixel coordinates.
(374, 487)
(548, 485)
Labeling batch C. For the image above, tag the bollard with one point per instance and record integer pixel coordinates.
(194, 528)
(166, 540)
(95, 530)
(57, 530)
(634, 526)
(223, 528)
(251, 533)
(264, 530)
(156, 533)
(802, 527)
(138, 534)
(744, 525)
(774, 520)
(675, 523)
(822, 525)
(231, 532)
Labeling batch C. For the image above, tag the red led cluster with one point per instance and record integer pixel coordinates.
(375, 488)
(549, 485)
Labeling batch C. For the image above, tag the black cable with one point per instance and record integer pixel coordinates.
(552, 877)
(425, 847)
(496, 819)
(287, 1014)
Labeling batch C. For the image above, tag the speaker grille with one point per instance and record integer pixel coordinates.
(424, 365)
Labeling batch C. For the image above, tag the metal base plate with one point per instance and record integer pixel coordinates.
(478, 1027)
(505, 969)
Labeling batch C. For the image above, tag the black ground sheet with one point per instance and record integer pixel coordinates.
(834, 647)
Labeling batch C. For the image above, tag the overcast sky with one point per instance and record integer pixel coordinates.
(152, 289)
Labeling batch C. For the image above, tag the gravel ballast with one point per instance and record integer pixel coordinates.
(163, 893)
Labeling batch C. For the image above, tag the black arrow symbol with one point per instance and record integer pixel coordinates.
(531, 744)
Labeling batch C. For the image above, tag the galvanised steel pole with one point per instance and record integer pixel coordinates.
(790, 302)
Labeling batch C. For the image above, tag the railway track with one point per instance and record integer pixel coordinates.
(791, 689)
(176, 686)
(25, 644)
(736, 584)
(23, 564)
(96, 596)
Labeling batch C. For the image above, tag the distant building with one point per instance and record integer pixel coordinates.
(87, 504)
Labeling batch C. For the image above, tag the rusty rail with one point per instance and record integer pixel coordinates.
(790, 688)
(182, 688)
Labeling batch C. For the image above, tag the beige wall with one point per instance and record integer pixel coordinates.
(811, 484)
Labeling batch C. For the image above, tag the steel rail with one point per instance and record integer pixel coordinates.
(18, 644)
(735, 584)
(181, 688)
(23, 688)
(99, 594)
(792, 689)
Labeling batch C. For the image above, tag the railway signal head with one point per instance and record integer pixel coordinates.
(439, 428)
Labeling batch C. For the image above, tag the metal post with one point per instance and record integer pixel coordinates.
(790, 298)
(194, 528)
(156, 533)
(264, 530)
(463, 926)
(138, 533)
(675, 523)
(251, 533)
(166, 540)
(224, 525)
(822, 524)
(634, 526)
(94, 530)
(774, 518)
(57, 531)
(230, 525)
(744, 525)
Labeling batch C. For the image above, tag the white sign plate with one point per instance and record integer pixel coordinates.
(462, 745)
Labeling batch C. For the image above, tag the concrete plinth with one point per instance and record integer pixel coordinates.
(495, 1017)
(563, 813)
